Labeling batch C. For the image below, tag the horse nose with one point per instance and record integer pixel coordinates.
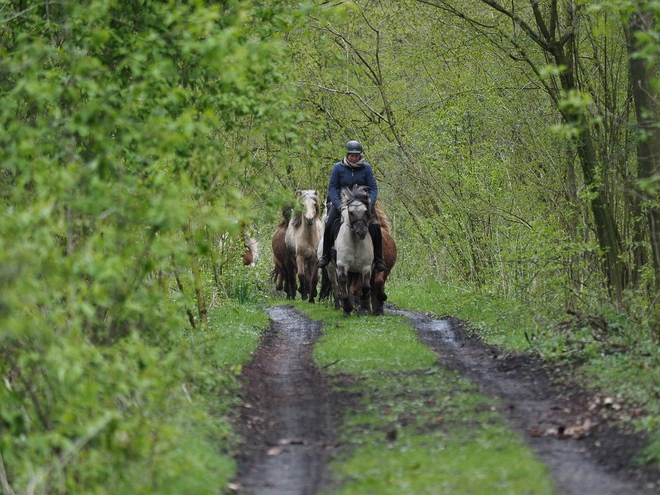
(309, 220)
(362, 235)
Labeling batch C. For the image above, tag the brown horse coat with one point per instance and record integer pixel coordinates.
(284, 273)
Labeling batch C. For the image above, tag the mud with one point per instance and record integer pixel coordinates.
(288, 426)
(585, 454)
(286, 412)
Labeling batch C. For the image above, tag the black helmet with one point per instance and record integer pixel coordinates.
(353, 147)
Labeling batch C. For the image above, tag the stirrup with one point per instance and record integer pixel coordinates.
(380, 265)
(323, 261)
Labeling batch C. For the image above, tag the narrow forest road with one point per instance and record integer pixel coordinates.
(286, 415)
(288, 421)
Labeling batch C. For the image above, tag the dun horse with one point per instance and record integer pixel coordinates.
(357, 277)
(302, 238)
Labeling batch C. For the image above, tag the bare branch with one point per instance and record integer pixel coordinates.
(520, 22)
(359, 54)
(6, 487)
(353, 93)
(539, 20)
(25, 11)
(457, 13)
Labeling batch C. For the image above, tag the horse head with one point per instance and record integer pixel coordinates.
(311, 205)
(356, 212)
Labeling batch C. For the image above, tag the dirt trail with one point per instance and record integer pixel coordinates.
(287, 415)
(542, 412)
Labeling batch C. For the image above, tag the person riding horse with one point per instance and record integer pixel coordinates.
(350, 171)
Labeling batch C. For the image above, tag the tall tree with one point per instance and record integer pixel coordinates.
(548, 33)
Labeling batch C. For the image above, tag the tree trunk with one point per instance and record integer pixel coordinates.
(606, 228)
(647, 109)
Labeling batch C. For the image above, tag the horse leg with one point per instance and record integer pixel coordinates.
(332, 275)
(314, 279)
(302, 278)
(365, 303)
(378, 293)
(345, 293)
(290, 281)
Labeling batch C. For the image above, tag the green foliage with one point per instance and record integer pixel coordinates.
(122, 162)
(128, 418)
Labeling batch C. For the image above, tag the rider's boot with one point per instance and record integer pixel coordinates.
(377, 238)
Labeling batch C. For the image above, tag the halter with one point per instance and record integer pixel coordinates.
(350, 224)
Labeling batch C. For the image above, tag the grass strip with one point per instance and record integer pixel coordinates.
(415, 427)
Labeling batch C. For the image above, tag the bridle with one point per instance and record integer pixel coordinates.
(351, 223)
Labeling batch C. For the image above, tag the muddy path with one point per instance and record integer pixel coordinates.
(288, 414)
(585, 455)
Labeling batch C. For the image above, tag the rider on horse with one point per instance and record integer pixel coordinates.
(350, 171)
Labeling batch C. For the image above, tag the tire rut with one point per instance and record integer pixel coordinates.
(286, 415)
(532, 406)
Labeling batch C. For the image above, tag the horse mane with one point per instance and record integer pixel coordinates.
(296, 220)
(384, 221)
(358, 193)
(285, 219)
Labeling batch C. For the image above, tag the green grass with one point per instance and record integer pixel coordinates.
(621, 362)
(499, 322)
(449, 438)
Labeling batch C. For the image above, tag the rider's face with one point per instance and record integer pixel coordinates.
(354, 157)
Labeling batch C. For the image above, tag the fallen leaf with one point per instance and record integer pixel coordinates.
(290, 441)
(233, 487)
(274, 451)
(576, 432)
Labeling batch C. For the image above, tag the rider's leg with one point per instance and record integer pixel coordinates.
(377, 239)
(328, 241)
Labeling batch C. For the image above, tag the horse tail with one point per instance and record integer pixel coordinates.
(382, 218)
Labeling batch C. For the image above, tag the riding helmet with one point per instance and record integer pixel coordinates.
(353, 147)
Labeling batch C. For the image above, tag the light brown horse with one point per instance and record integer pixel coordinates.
(302, 240)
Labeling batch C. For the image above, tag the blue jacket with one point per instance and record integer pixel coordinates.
(342, 176)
